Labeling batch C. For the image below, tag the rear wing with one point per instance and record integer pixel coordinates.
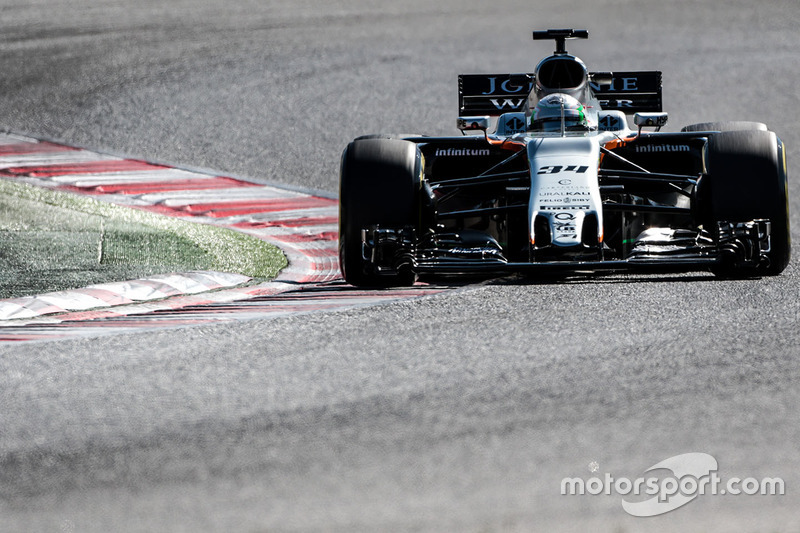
(495, 94)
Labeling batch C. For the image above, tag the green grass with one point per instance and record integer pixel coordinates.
(53, 241)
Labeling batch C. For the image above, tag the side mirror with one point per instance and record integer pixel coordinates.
(650, 120)
(473, 123)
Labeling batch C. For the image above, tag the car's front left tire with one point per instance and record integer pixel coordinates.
(747, 180)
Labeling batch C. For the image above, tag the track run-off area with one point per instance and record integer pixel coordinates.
(303, 225)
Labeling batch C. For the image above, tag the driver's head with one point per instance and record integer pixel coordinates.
(549, 111)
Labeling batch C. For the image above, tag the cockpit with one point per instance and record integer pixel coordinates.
(564, 75)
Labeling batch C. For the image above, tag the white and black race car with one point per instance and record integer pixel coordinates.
(562, 183)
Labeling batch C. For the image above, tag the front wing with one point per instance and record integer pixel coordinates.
(743, 246)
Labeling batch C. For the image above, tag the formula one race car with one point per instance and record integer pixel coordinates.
(563, 184)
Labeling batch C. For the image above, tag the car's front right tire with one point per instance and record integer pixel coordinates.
(380, 183)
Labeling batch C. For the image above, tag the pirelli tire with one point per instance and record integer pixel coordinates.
(732, 125)
(747, 179)
(380, 183)
(388, 136)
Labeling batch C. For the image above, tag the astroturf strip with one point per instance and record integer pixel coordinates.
(51, 240)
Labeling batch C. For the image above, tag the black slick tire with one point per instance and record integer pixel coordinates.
(380, 183)
(732, 125)
(746, 180)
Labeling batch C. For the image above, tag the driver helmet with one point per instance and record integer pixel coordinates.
(547, 114)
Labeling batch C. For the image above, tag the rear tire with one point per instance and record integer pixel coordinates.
(379, 184)
(732, 125)
(746, 179)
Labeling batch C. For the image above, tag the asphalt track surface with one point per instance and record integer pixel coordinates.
(461, 411)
